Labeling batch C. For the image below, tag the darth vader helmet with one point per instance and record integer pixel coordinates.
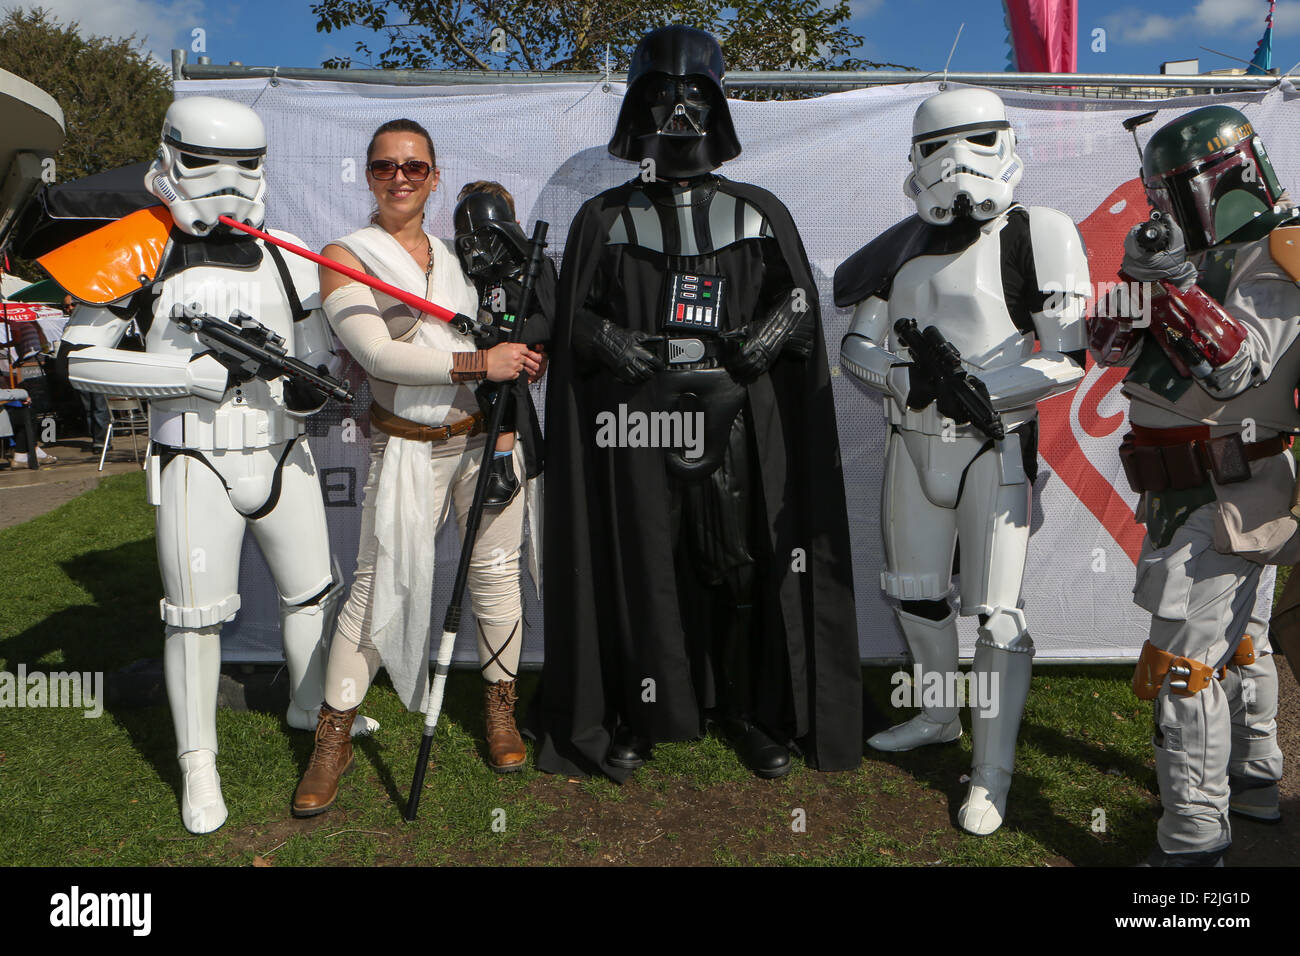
(675, 109)
(489, 242)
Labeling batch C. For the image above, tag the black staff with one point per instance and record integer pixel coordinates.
(451, 623)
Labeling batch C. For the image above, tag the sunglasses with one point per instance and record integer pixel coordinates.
(415, 170)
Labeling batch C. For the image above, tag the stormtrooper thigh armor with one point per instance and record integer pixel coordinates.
(200, 529)
(979, 496)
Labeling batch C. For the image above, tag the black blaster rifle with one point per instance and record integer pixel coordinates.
(251, 349)
(940, 362)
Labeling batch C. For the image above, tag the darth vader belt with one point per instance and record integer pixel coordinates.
(686, 350)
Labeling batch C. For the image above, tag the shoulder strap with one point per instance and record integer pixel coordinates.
(286, 280)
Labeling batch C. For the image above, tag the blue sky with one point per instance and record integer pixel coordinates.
(1138, 34)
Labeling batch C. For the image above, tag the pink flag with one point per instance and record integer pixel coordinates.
(1044, 35)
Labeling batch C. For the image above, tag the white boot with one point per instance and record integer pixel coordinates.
(934, 648)
(303, 629)
(1008, 671)
(202, 808)
(917, 732)
(192, 669)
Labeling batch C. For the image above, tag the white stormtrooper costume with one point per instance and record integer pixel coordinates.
(992, 277)
(226, 455)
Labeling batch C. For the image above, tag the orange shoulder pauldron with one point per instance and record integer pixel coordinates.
(114, 260)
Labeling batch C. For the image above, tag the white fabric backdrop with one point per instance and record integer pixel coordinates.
(838, 163)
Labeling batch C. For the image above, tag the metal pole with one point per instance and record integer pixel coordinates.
(738, 80)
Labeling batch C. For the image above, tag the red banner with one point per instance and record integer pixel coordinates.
(1044, 35)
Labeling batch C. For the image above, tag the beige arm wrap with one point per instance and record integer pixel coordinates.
(355, 318)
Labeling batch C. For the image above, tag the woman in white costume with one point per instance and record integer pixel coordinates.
(425, 452)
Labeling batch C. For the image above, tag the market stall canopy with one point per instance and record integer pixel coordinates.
(33, 131)
(46, 291)
(67, 211)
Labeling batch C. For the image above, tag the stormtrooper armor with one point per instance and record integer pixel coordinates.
(228, 453)
(994, 278)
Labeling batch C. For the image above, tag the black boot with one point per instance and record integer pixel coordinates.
(627, 750)
(756, 750)
(502, 484)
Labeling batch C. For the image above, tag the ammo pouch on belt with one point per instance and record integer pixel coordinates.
(1174, 467)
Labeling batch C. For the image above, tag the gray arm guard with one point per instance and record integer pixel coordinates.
(96, 365)
(862, 356)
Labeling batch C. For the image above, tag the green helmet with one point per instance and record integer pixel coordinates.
(1208, 169)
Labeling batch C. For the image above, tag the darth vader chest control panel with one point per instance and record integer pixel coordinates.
(694, 309)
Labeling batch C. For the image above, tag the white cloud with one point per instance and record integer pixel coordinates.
(159, 24)
(1227, 14)
(864, 8)
(1207, 19)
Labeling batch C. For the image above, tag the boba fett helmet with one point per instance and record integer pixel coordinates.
(1209, 170)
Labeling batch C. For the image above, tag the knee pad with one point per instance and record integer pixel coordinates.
(193, 618)
(1005, 628)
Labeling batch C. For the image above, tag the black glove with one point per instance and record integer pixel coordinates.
(786, 325)
(300, 396)
(622, 351)
(921, 388)
(949, 407)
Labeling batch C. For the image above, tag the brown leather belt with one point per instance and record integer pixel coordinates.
(399, 427)
(1159, 459)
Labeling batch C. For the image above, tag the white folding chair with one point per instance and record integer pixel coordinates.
(125, 415)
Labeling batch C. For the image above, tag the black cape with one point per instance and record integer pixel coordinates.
(611, 611)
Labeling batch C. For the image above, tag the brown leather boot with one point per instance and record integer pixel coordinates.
(331, 759)
(505, 746)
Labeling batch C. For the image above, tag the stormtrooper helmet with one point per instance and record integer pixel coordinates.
(964, 160)
(210, 164)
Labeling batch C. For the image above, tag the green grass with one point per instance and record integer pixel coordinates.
(81, 592)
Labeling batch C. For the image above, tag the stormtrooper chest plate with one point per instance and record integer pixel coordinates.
(961, 294)
(219, 292)
(250, 415)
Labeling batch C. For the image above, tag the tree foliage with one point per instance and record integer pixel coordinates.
(113, 95)
(571, 35)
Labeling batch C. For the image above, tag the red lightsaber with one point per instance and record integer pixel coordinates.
(462, 323)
